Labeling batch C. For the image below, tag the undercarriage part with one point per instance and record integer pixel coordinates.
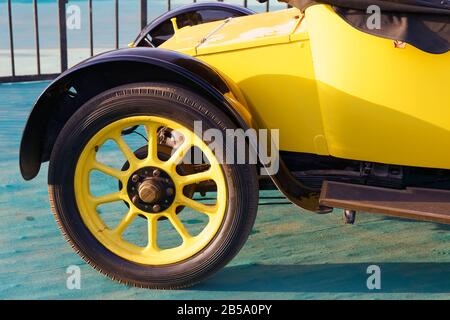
(412, 203)
(367, 173)
(312, 170)
(349, 216)
(382, 174)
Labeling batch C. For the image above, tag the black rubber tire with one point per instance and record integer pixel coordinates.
(181, 105)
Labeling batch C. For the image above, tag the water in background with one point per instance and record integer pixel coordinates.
(78, 40)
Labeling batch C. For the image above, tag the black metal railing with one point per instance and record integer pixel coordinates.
(62, 35)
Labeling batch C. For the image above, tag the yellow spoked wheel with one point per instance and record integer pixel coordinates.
(152, 188)
(139, 210)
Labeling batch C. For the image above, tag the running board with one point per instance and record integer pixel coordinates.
(411, 203)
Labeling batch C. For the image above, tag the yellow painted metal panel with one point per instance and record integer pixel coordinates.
(273, 72)
(186, 39)
(236, 34)
(379, 103)
(280, 91)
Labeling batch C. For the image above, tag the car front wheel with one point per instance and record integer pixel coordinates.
(129, 198)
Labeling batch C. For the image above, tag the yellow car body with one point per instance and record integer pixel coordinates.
(329, 88)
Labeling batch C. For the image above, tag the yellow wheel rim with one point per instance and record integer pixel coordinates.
(112, 238)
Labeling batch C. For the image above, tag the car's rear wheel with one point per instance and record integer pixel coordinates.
(102, 184)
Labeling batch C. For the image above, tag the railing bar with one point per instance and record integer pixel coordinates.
(36, 36)
(267, 6)
(169, 5)
(91, 29)
(11, 39)
(117, 23)
(245, 3)
(62, 34)
(143, 13)
(33, 77)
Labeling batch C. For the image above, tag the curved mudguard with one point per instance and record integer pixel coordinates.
(87, 79)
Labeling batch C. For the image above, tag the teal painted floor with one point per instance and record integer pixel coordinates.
(291, 254)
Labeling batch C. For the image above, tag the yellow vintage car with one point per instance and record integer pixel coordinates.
(157, 152)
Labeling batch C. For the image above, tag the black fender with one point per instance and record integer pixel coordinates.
(68, 92)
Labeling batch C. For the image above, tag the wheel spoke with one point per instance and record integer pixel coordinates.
(179, 153)
(195, 177)
(198, 206)
(129, 217)
(178, 225)
(118, 174)
(112, 197)
(152, 223)
(127, 152)
(152, 136)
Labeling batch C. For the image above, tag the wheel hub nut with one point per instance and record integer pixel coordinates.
(135, 200)
(169, 192)
(149, 192)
